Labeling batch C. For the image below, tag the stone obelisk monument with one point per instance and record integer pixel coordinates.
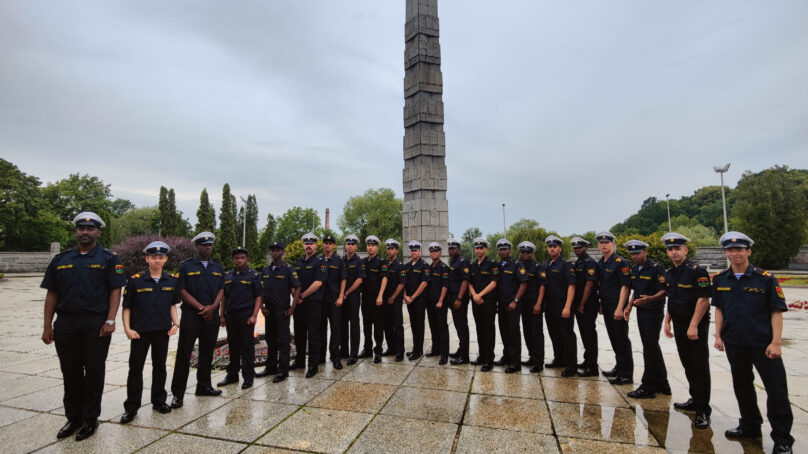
(425, 212)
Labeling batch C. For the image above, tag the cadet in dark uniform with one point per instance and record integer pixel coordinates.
(149, 317)
(372, 324)
(586, 305)
(458, 298)
(201, 287)
(279, 281)
(392, 290)
(614, 279)
(749, 306)
(558, 309)
(313, 273)
(510, 288)
(333, 288)
(689, 308)
(239, 312)
(436, 304)
(84, 289)
(483, 277)
(353, 276)
(415, 283)
(532, 322)
(648, 294)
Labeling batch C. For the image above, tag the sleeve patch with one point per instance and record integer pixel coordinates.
(779, 292)
(703, 281)
(591, 271)
(522, 271)
(118, 269)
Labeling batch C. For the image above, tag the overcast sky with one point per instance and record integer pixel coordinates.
(571, 113)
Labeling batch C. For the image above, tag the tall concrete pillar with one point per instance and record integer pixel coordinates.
(425, 212)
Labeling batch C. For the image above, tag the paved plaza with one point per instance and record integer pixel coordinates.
(409, 407)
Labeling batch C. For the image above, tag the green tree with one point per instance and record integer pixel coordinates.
(652, 213)
(106, 233)
(376, 212)
(136, 222)
(121, 206)
(294, 223)
(470, 234)
(227, 223)
(772, 208)
(295, 251)
(165, 212)
(205, 215)
(656, 248)
(251, 216)
(77, 193)
(267, 236)
(26, 224)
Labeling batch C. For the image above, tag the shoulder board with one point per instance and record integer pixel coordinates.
(134, 276)
(617, 259)
(760, 271)
(110, 251)
(175, 275)
(695, 267)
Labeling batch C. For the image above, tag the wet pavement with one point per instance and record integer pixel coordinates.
(408, 407)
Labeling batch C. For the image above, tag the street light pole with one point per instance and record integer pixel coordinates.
(722, 170)
(667, 202)
(504, 229)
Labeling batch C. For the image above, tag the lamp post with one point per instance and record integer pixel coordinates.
(504, 229)
(668, 204)
(722, 170)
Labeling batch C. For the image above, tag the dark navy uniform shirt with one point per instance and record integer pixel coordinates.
(747, 305)
(560, 275)
(648, 281)
(277, 282)
(334, 275)
(396, 275)
(310, 270)
(586, 270)
(481, 274)
(352, 270)
(241, 290)
(84, 281)
(458, 272)
(511, 275)
(150, 302)
(374, 267)
(686, 284)
(613, 274)
(536, 277)
(438, 280)
(416, 273)
(203, 283)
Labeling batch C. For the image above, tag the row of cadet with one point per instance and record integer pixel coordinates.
(330, 291)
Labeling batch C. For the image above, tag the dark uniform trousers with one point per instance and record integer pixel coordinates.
(82, 356)
(618, 336)
(158, 342)
(562, 333)
(376, 315)
(510, 333)
(330, 315)
(193, 326)
(588, 331)
(278, 343)
(533, 327)
(417, 311)
(394, 325)
(773, 375)
(240, 340)
(460, 320)
(307, 327)
(695, 355)
(484, 315)
(350, 325)
(369, 321)
(655, 374)
(438, 327)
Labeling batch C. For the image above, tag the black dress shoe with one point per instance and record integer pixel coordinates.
(227, 380)
(176, 402)
(621, 381)
(555, 364)
(365, 354)
(610, 373)
(529, 362)
(443, 359)
(781, 449)
(641, 393)
(487, 367)
(431, 353)
(702, 421)
(458, 361)
(128, 417)
(68, 429)
(87, 429)
(267, 372)
(399, 358)
(743, 432)
(297, 365)
(338, 365)
(388, 352)
(569, 373)
(415, 355)
(377, 359)
(280, 377)
(311, 372)
(247, 384)
(162, 408)
(689, 405)
(581, 365)
(351, 360)
(208, 391)
(588, 372)
(512, 369)
(538, 367)
(455, 354)
(476, 362)
(501, 362)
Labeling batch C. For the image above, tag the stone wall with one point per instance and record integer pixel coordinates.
(27, 262)
(800, 261)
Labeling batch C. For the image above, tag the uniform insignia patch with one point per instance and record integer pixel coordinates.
(465, 270)
(624, 270)
(118, 269)
(590, 271)
(294, 274)
(322, 268)
(543, 274)
(661, 279)
(522, 271)
(779, 292)
(703, 281)
(495, 271)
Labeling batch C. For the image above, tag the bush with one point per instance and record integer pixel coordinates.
(295, 251)
(656, 248)
(133, 258)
